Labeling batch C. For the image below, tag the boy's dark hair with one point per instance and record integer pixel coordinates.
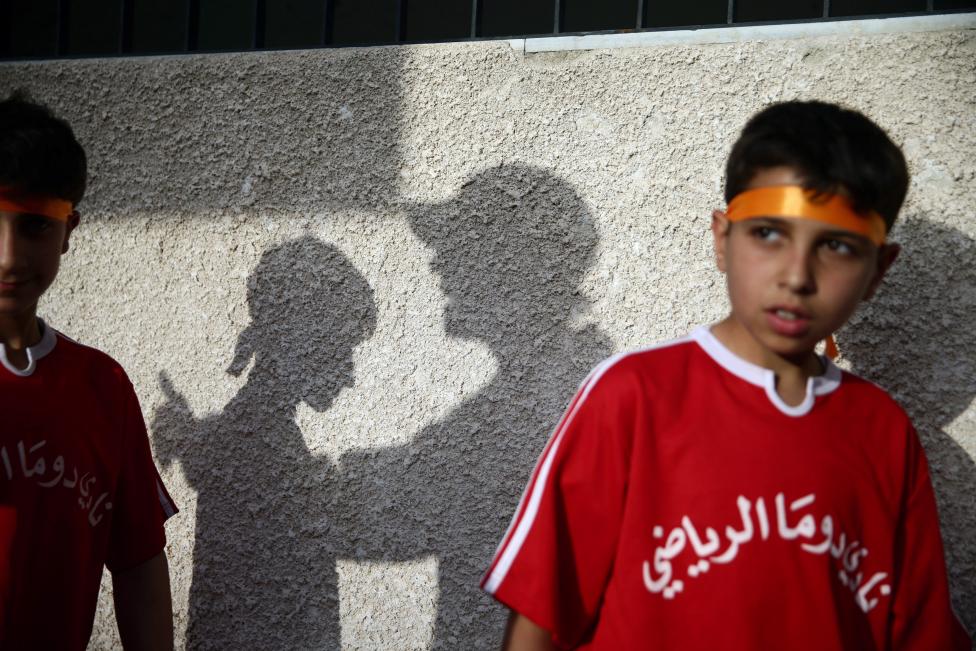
(832, 148)
(39, 154)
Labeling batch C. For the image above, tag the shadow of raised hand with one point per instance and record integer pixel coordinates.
(265, 543)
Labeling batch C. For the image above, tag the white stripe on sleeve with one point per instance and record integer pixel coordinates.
(536, 489)
(508, 551)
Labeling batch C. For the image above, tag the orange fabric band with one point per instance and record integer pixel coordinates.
(796, 202)
(51, 207)
(830, 347)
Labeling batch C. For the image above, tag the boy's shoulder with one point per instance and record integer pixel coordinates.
(655, 365)
(865, 396)
(675, 366)
(78, 358)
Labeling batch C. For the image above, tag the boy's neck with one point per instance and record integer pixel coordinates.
(18, 332)
(791, 373)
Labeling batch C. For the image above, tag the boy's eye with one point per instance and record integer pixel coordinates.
(840, 246)
(33, 225)
(766, 233)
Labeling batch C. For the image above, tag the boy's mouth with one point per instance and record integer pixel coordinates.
(790, 322)
(13, 288)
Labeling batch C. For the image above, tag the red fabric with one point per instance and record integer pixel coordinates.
(666, 453)
(75, 465)
(8, 526)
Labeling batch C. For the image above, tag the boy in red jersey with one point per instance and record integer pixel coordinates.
(733, 489)
(78, 488)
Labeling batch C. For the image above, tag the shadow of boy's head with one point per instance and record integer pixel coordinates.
(309, 309)
(511, 248)
(915, 338)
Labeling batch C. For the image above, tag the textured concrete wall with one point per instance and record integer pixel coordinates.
(354, 289)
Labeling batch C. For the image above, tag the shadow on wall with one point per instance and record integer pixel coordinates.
(917, 340)
(294, 131)
(264, 574)
(511, 249)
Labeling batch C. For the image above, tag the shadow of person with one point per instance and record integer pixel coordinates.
(264, 553)
(916, 339)
(511, 249)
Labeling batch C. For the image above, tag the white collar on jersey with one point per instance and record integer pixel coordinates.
(818, 385)
(34, 353)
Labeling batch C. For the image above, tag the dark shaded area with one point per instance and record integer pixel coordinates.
(949, 5)
(264, 573)
(94, 27)
(916, 339)
(30, 28)
(586, 16)
(33, 27)
(511, 249)
(226, 25)
(329, 141)
(437, 20)
(355, 22)
(867, 7)
(679, 14)
(758, 10)
(294, 23)
(516, 17)
(159, 27)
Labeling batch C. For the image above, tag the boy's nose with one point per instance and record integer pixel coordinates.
(798, 273)
(9, 246)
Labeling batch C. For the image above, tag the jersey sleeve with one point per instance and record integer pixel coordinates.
(922, 615)
(554, 562)
(141, 504)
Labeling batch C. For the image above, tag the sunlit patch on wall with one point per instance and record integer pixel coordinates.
(387, 605)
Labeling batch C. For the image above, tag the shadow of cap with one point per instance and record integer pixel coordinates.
(513, 225)
(916, 337)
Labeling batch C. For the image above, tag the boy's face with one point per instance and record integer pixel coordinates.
(792, 282)
(30, 253)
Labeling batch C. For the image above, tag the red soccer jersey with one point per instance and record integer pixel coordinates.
(78, 490)
(681, 504)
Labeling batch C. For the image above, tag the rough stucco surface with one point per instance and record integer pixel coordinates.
(355, 288)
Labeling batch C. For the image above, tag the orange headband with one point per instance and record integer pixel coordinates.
(50, 207)
(796, 202)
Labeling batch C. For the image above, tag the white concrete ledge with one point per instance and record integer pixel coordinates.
(934, 23)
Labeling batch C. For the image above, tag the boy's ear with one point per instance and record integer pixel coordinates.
(887, 255)
(71, 225)
(720, 237)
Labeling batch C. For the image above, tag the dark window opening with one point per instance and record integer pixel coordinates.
(437, 20)
(868, 7)
(953, 5)
(226, 25)
(684, 14)
(159, 27)
(365, 22)
(748, 11)
(94, 27)
(516, 17)
(56, 28)
(33, 28)
(588, 16)
(294, 23)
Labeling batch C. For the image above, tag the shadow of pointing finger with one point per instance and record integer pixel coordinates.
(265, 544)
